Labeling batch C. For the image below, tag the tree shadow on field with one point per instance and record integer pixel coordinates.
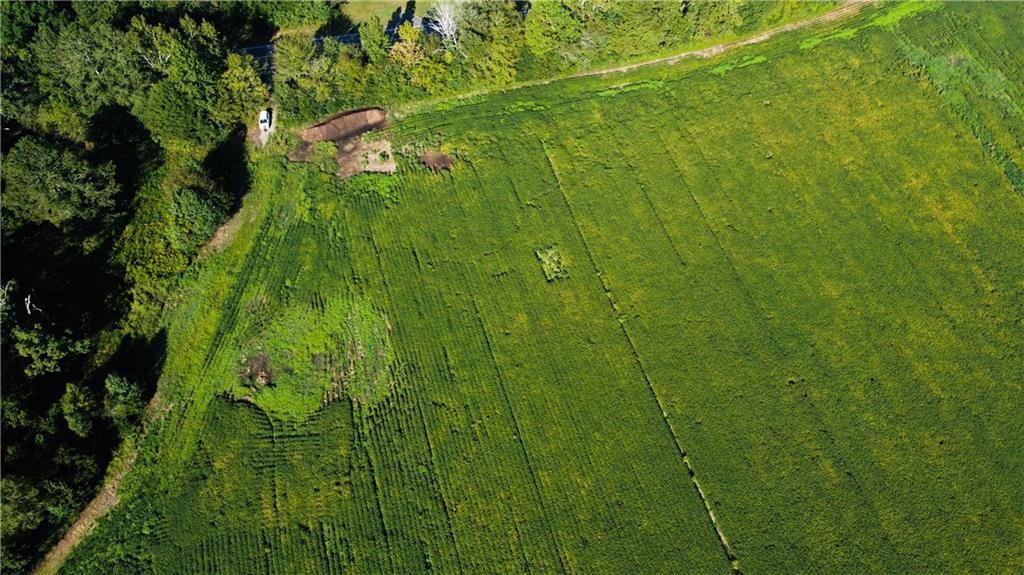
(339, 23)
(401, 16)
(142, 360)
(228, 166)
(119, 137)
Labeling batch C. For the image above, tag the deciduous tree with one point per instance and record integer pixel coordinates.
(240, 92)
(79, 408)
(374, 40)
(123, 402)
(445, 20)
(45, 181)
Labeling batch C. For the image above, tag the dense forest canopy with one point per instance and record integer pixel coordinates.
(124, 150)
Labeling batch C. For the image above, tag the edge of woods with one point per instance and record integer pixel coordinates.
(848, 9)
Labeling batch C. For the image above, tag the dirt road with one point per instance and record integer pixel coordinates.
(849, 8)
(101, 504)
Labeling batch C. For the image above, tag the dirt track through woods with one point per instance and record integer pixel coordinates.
(104, 501)
(107, 498)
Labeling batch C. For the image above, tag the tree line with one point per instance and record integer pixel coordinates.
(468, 45)
(119, 125)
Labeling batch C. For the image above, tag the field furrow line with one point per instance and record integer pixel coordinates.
(727, 549)
(519, 439)
(242, 279)
(437, 484)
(650, 203)
(900, 249)
(374, 481)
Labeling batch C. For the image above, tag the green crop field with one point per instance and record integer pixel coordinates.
(760, 313)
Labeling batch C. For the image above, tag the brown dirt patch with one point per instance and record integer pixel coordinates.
(301, 153)
(436, 160)
(339, 128)
(256, 370)
(347, 125)
(353, 155)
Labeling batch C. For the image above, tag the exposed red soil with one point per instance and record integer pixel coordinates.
(339, 128)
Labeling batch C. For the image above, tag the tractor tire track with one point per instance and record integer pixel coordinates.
(727, 549)
(519, 440)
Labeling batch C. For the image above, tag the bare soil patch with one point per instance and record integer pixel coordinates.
(256, 370)
(354, 155)
(436, 161)
(339, 128)
(347, 125)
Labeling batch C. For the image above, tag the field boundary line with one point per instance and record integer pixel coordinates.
(847, 9)
(730, 555)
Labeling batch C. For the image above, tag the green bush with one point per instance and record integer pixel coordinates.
(196, 217)
(79, 409)
(123, 402)
(48, 182)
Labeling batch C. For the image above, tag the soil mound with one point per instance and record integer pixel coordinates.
(346, 125)
(436, 161)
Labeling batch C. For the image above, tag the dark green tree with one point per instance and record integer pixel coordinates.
(300, 12)
(49, 182)
(123, 402)
(492, 39)
(374, 40)
(24, 513)
(552, 27)
(79, 408)
(80, 69)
